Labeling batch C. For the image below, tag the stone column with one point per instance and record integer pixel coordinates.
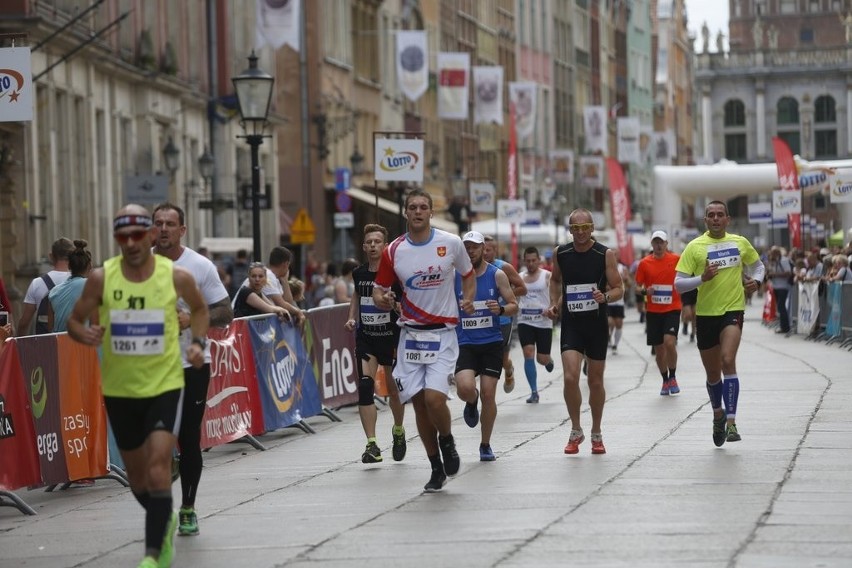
(760, 118)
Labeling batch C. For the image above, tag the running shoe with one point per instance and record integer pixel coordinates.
(731, 434)
(471, 412)
(664, 391)
(372, 453)
(509, 383)
(436, 482)
(719, 433)
(399, 444)
(452, 462)
(692, 338)
(615, 349)
(148, 562)
(574, 440)
(597, 444)
(533, 399)
(673, 386)
(549, 366)
(485, 453)
(685, 329)
(167, 551)
(187, 522)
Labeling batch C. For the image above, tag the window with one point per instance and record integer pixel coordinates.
(813, 6)
(806, 35)
(735, 147)
(759, 7)
(788, 111)
(824, 109)
(336, 24)
(365, 39)
(734, 113)
(793, 140)
(788, 6)
(826, 143)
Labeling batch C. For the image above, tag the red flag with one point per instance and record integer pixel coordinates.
(18, 448)
(619, 199)
(512, 174)
(788, 180)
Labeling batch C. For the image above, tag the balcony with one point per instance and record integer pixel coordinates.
(825, 60)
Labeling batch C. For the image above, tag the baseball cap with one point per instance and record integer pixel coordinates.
(659, 235)
(473, 237)
(824, 252)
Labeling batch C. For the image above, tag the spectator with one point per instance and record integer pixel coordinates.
(63, 297)
(35, 301)
(344, 286)
(780, 273)
(840, 269)
(250, 299)
(238, 271)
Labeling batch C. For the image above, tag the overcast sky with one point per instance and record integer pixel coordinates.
(714, 12)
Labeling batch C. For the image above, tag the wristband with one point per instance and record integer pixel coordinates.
(502, 310)
(200, 341)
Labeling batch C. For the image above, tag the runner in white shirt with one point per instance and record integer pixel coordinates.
(535, 330)
(424, 261)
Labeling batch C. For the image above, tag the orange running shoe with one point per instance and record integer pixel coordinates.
(574, 440)
(597, 444)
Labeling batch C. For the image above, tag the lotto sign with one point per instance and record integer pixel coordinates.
(785, 202)
(512, 210)
(398, 159)
(482, 197)
(841, 186)
(16, 86)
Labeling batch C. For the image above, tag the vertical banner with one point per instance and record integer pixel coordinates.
(628, 139)
(18, 445)
(788, 180)
(483, 197)
(412, 63)
(233, 406)
(591, 171)
(285, 377)
(835, 302)
(562, 166)
(512, 173)
(523, 96)
(277, 23)
(620, 201)
(82, 413)
(808, 307)
(594, 127)
(16, 84)
(453, 71)
(332, 351)
(488, 95)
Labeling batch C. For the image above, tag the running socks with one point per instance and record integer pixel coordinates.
(531, 373)
(143, 498)
(157, 519)
(732, 395)
(672, 374)
(715, 392)
(616, 337)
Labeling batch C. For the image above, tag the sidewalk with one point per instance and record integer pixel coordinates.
(663, 495)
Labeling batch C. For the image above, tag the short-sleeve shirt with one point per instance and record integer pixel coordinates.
(426, 271)
(724, 293)
(657, 276)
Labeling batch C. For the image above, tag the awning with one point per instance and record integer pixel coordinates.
(393, 207)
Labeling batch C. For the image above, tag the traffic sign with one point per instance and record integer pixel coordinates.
(302, 231)
(342, 179)
(344, 220)
(343, 202)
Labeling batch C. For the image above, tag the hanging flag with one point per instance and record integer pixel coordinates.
(594, 127)
(788, 180)
(278, 23)
(591, 171)
(619, 199)
(453, 71)
(512, 173)
(562, 166)
(412, 63)
(628, 139)
(523, 96)
(488, 95)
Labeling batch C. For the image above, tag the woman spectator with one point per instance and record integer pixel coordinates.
(63, 296)
(250, 300)
(840, 269)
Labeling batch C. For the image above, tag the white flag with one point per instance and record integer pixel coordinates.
(488, 95)
(628, 139)
(412, 63)
(523, 96)
(278, 23)
(453, 72)
(594, 127)
(562, 166)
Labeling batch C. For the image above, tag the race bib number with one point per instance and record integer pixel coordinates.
(530, 315)
(421, 347)
(723, 255)
(579, 298)
(481, 318)
(662, 294)
(371, 315)
(137, 332)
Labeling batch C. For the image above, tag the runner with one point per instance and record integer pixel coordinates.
(534, 329)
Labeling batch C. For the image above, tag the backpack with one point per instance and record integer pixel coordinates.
(41, 314)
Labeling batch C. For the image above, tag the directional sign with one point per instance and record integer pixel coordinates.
(302, 231)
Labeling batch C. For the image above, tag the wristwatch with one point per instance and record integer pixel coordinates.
(200, 341)
(502, 310)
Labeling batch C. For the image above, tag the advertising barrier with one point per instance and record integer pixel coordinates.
(332, 350)
(835, 303)
(18, 454)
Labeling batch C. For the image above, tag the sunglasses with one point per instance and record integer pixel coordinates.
(137, 235)
(581, 226)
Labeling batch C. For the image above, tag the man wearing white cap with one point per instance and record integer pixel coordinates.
(655, 275)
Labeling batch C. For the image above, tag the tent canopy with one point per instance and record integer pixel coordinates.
(837, 239)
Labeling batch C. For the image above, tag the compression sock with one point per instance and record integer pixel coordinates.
(157, 519)
(732, 394)
(532, 374)
(616, 337)
(715, 392)
(143, 498)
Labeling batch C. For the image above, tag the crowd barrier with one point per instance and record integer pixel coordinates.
(265, 375)
(820, 313)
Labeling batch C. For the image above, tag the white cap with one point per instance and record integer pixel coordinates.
(660, 235)
(473, 237)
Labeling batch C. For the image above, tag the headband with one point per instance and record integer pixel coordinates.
(130, 221)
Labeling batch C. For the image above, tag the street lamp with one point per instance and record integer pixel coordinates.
(356, 160)
(171, 156)
(206, 164)
(254, 93)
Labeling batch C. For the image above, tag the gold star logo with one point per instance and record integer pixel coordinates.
(389, 151)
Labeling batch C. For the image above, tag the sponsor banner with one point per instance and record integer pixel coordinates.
(82, 412)
(453, 71)
(769, 307)
(620, 202)
(663, 148)
(562, 166)
(277, 23)
(488, 94)
(591, 171)
(412, 63)
(808, 307)
(594, 127)
(512, 210)
(18, 445)
(785, 203)
(284, 375)
(398, 159)
(760, 212)
(788, 180)
(841, 186)
(835, 302)
(628, 139)
(16, 84)
(523, 96)
(332, 351)
(41, 376)
(233, 406)
(483, 197)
